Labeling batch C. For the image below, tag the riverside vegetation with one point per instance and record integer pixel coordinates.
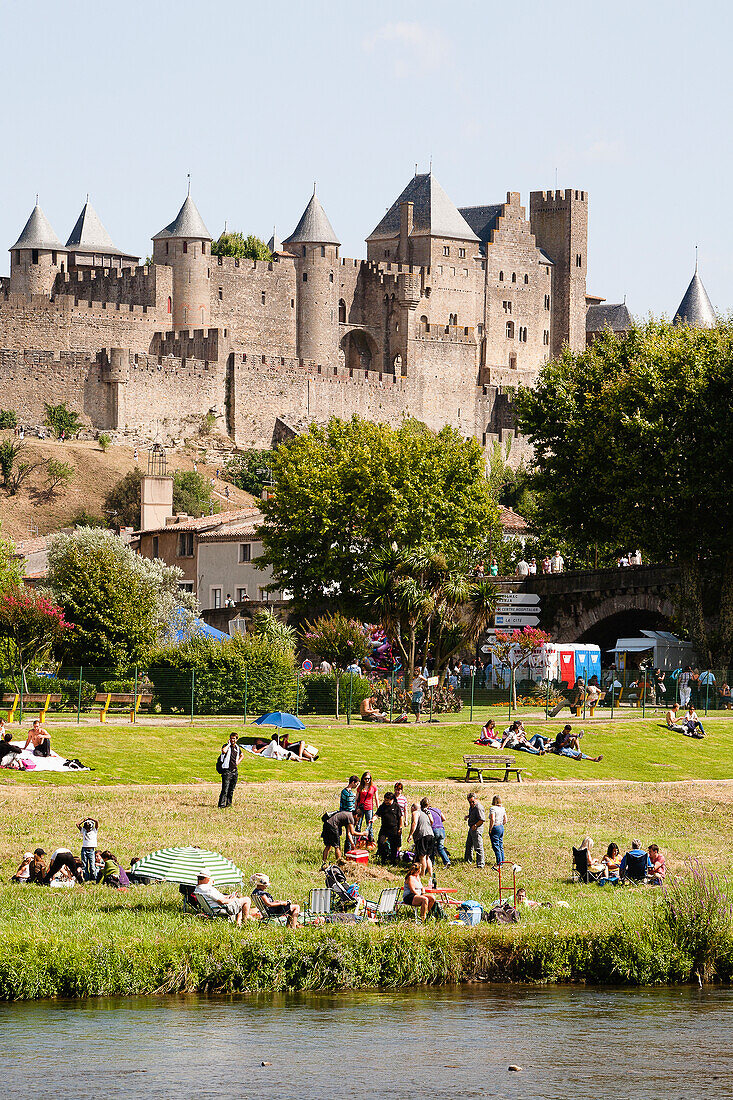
(94, 941)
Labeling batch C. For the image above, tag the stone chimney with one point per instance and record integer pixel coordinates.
(406, 215)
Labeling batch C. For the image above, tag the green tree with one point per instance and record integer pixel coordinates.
(250, 470)
(62, 420)
(58, 476)
(104, 440)
(122, 503)
(236, 244)
(120, 602)
(347, 489)
(265, 624)
(8, 418)
(192, 493)
(632, 445)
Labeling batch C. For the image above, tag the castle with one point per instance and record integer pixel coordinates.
(451, 310)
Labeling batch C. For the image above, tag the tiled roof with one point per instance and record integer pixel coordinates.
(433, 213)
(187, 223)
(204, 523)
(89, 235)
(233, 533)
(482, 219)
(696, 309)
(37, 233)
(511, 520)
(313, 227)
(616, 317)
(24, 547)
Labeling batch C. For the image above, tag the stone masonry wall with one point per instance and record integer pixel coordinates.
(62, 325)
(237, 290)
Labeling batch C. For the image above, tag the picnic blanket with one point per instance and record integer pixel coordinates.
(273, 752)
(52, 763)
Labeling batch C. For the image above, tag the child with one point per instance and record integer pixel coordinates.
(88, 829)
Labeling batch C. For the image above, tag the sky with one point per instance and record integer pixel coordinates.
(630, 102)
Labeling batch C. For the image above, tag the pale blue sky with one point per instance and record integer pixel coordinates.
(630, 101)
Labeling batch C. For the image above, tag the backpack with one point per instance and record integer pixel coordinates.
(502, 914)
(218, 763)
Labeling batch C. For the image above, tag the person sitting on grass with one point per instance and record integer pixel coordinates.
(40, 739)
(568, 744)
(726, 699)
(516, 738)
(236, 906)
(370, 712)
(274, 907)
(488, 735)
(692, 724)
(112, 874)
(671, 719)
(331, 834)
(657, 866)
(8, 752)
(37, 869)
(412, 892)
(21, 876)
(612, 862)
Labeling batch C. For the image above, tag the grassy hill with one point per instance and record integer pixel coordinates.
(95, 472)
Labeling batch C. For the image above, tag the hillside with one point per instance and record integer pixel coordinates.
(28, 513)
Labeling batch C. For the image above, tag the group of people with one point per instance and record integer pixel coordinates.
(565, 743)
(555, 564)
(38, 742)
(66, 869)
(240, 907)
(614, 868)
(688, 723)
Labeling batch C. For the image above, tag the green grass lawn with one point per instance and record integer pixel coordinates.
(639, 750)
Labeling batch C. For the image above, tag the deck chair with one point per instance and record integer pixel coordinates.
(319, 905)
(581, 867)
(212, 909)
(636, 868)
(267, 916)
(386, 907)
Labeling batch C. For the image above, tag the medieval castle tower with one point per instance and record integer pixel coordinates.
(451, 310)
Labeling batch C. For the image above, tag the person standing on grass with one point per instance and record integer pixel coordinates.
(367, 800)
(231, 755)
(419, 684)
(475, 838)
(399, 797)
(88, 829)
(331, 833)
(438, 821)
(389, 840)
(348, 795)
(497, 821)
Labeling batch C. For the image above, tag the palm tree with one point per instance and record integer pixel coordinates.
(265, 624)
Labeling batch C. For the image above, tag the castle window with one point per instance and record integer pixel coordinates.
(263, 297)
(514, 276)
(292, 303)
(221, 293)
(185, 315)
(305, 276)
(507, 307)
(480, 330)
(465, 273)
(397, 363)
(323, 250)
(330, 276)
(452, 271)
(34, 256)
(155, 546)
(501, 276)
(523, 335)
(526, 279)
(342, 312)
(185, 544)
(546, 338)
(510, 330)
(461, 253)
(424, 323)
(245, 551)
(579, 260)
(170, 304)
(203, 248)
(185, 246)
(512, 362)
(53, 258)
(304, 250)
(446, 250)
(386, 253)
(203, 318)
(62, 268)
(439, 269)
(166, 248)
(208, 272)
(547, 301)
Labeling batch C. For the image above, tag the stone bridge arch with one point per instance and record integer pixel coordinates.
(623, 615)
(358, 350)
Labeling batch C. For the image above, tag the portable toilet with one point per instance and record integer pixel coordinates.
(588, 662)
(567, 665)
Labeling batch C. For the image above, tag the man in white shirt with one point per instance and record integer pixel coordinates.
(522, 568)
(88, 829)
(325, 667)
(558, 563)
(237, 907)
(231, 755)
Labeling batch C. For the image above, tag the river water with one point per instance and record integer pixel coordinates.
(659, 1044)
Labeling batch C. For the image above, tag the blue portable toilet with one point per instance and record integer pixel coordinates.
(588, 662)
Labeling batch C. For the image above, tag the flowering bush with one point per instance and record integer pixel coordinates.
(337, 639)
(696, 913)
(445, 699)
(31, 625)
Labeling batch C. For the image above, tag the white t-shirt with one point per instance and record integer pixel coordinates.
(59, 851)
(497, 816)
(89, 837)
(211, 893)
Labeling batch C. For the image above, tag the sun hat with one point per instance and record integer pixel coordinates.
(259, 879)
(204, 872)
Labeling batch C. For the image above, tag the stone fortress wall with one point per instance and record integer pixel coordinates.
(306, 335)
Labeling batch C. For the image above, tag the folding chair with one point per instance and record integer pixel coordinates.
(212, 909)
(267, 916)
(386, 907)
(581, 867)
(635, 868)
(319, 905)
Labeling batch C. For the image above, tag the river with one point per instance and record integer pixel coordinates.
(659, 1044)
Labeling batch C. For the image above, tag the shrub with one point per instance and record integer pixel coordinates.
(696, 914)
(445, 699)
(337, 639)
(57, 685)
(60, 419)
(318, 692)
(223, 671)
(104, 441)
(8, 418)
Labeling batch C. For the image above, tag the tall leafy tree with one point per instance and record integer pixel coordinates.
(344, 490)
(632, 444)
(31, 627)
(121, 604)
(236, 244)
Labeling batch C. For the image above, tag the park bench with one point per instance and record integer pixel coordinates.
(41, 699)
(123, 699)
(481, 764)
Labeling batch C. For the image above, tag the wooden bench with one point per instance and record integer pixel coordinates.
(124, 699)
(41, 699)
(481, 764)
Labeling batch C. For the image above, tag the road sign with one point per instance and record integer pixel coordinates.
(307, 665)
(514, 609)
(516, 620)
(519, 597)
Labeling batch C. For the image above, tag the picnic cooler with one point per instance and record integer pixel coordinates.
(357, 855)
(470, 912)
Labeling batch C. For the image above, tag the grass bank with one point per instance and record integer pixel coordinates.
(93, 941)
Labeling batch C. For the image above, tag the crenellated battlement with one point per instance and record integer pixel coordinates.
(558, 198)
(139, 286)
(199, 343)
(244, 265)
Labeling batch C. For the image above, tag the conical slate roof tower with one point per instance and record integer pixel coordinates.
(695, 309)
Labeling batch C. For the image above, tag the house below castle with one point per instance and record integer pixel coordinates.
(451, 310)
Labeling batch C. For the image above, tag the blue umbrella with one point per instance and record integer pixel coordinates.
(281, 719)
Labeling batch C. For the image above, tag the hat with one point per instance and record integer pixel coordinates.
(38, 852)
(27, 855)
(259, 880)
(203, 872)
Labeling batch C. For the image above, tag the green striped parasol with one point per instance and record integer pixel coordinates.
(184, 864)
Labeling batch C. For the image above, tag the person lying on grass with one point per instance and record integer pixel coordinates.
(530, 903)
(274, 907)
(567, 743)
(237, 907)
(515, 737)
